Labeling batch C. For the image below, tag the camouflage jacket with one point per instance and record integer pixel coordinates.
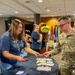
(66, 46)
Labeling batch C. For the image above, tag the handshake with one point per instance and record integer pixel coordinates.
(46, 54)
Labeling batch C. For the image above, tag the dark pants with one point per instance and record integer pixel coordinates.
(38, 50)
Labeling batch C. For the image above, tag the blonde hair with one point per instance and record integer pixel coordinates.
(13, 28)
(34, 26)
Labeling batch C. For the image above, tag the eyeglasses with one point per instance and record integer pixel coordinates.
(61, 25)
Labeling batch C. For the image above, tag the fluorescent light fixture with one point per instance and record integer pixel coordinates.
(40, 0)
(1, 14)
(74, 14)
(16, 12)
(27, 16)
(48, 10)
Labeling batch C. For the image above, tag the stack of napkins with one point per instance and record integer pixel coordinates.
(44, 64)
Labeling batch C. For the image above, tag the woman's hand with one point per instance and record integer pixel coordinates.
(40, 39)
(37, 54)
(40, 35)
(20, 59)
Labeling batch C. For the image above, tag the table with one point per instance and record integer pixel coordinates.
(30, 67)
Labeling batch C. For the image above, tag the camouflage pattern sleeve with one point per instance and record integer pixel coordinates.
(56, 50)
(60, 43)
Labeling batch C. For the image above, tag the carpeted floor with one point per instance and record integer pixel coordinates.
(57, 57)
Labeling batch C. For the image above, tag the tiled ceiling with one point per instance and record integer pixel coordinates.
(27, 8)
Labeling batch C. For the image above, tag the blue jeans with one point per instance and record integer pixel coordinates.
(8, 69)
(6, 66)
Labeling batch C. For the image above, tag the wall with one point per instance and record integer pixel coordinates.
(25, 21)
(2, 25)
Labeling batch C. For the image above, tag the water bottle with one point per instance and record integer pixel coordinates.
(56, 34)
(47, 46)
(23, 53)
(48, 35)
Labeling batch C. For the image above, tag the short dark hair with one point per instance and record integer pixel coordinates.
(66, 18)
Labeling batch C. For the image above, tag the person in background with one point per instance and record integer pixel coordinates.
(36, 39)
(12, 42)
(28, 42)
(28, 38)
(66, 45)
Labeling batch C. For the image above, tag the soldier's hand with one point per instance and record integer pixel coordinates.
(46, 54)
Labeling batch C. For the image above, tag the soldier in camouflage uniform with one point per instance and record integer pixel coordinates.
(66, 45)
